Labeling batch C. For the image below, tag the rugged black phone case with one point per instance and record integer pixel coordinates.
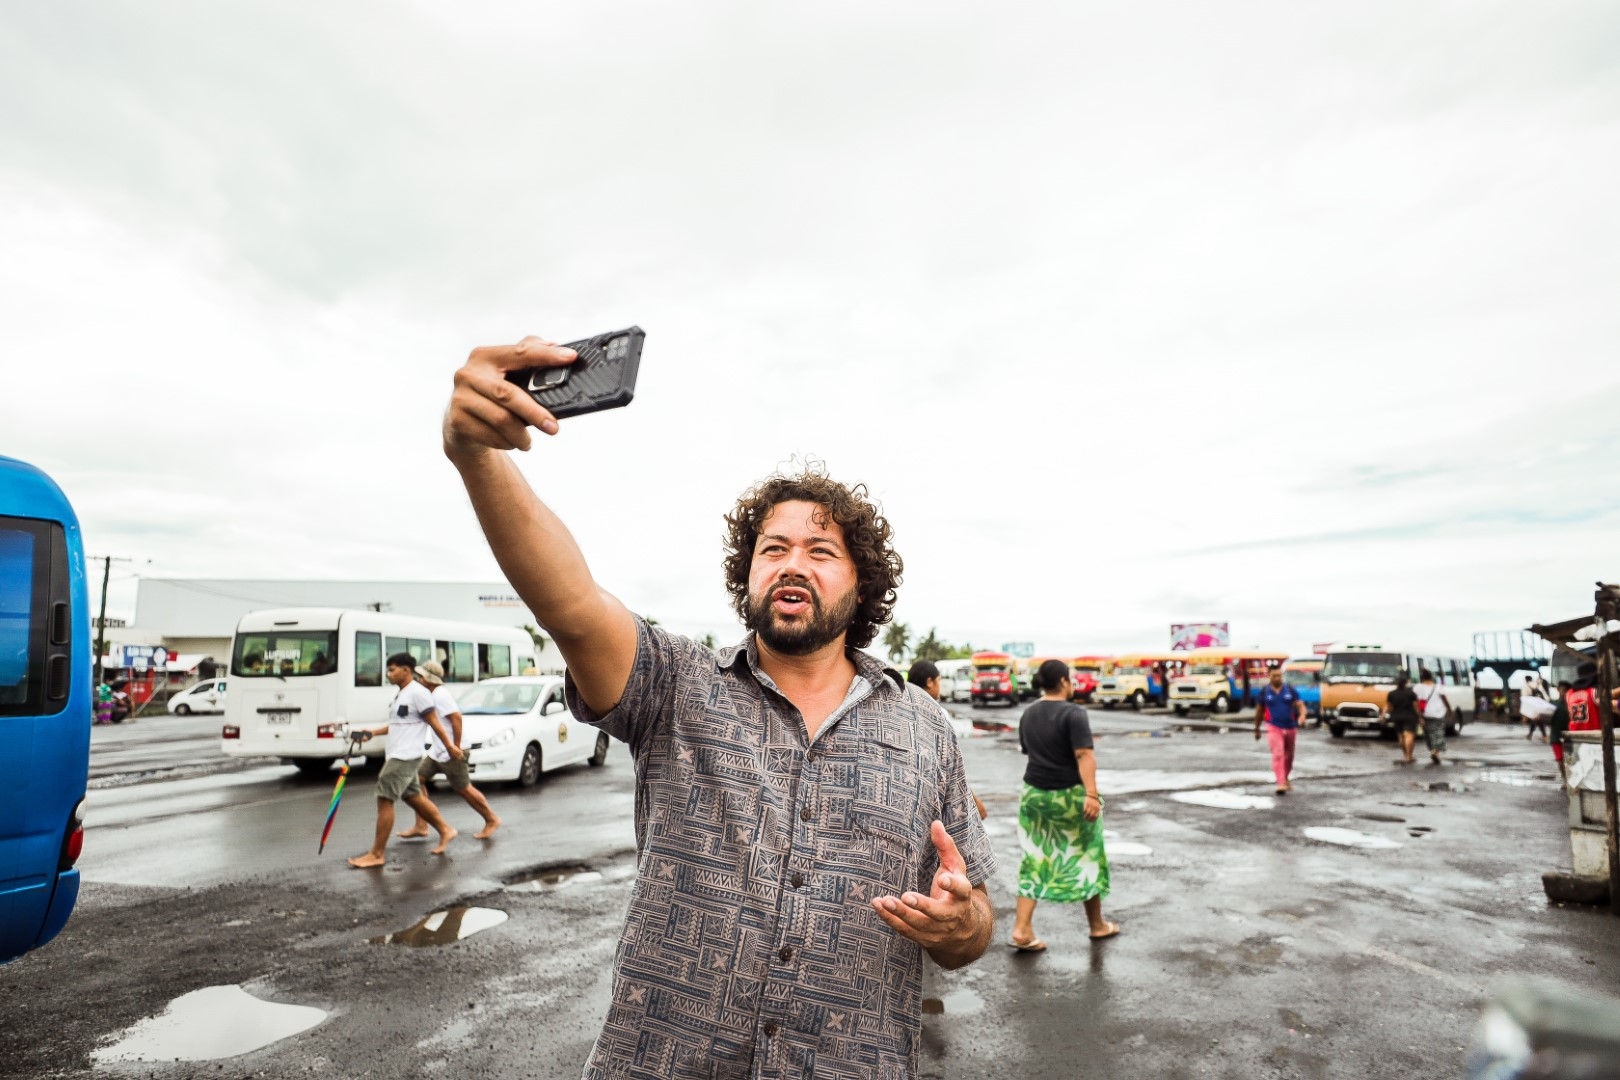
(604, 376)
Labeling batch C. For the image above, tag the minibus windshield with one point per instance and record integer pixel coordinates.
(1361, 667)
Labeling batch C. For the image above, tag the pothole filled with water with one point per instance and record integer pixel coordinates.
(1224, 800)
(444, 927)
(214, 1022)
(1328, 834)
(1507, 776)
(552, 878)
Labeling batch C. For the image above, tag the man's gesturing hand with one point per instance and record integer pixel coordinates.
(486, 411)
(947, 915)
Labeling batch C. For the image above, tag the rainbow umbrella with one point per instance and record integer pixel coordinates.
(337, 789)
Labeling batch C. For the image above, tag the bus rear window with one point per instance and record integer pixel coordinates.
(21, 616)
(285, 653)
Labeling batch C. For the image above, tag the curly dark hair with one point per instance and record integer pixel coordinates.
(867, 536)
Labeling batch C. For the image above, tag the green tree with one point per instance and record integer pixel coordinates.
(535, 634)
(931, 648)
(707, 641)
(897, 639)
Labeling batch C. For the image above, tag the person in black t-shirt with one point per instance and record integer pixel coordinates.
(1060, 812)
(1403, 714)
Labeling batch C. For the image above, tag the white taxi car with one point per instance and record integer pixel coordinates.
(516, 727)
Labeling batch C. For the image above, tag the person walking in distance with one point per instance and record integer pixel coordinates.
(925, 673)
(438, 760)
(411, 717)
(1060, 827)
(1433, 707)
(1559, 725)
(1282, 711)
(804, 830)
(1403, 713)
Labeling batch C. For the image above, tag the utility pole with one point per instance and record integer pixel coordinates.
(101, 620)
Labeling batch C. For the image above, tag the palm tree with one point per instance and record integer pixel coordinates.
(897, 639)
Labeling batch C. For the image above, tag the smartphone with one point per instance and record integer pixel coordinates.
(603, 377)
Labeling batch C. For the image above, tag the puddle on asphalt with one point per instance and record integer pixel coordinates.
(214, 1022)
(1328, 834)
(1383, 817)
(1224, 800)
(444, 927)
(553, 878)
(1507, 776)
(957, 1003)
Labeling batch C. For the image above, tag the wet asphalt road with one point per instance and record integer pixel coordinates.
(1249, 949)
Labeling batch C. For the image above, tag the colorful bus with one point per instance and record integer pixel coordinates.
(1357, 679)
(1305, 676)
(1087, 672)
(999, 676)
(1138, 679)
(46, 704)
(1222, 679)
(300, 677)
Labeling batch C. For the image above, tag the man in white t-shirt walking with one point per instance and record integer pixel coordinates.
(411, 716)
(438, 759)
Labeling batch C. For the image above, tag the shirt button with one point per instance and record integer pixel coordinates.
(798, 881)
(785, 953)
(804, 815)
(770, 1030)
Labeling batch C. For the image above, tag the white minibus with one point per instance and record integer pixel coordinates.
(301, 677)
(1357, 679)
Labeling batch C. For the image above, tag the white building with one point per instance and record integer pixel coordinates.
(197, 616)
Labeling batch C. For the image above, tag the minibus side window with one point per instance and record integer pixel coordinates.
(368, 656)
(494, 661)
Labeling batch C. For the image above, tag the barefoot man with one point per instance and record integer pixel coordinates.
(410, 717)
(438, 760)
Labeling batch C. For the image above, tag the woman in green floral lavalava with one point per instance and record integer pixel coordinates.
(1060, 813)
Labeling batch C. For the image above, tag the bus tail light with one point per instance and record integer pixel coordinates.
(327, 731)
(230, 731)
(73, 842)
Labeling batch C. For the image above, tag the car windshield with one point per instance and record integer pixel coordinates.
(1361, 667)
(1299, 678)
(263, 654)
(486, 698)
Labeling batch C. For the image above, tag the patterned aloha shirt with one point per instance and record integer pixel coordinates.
(751, 948)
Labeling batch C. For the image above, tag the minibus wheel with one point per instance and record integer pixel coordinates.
(1137, 699)
(1220, 703)
(1336, 730)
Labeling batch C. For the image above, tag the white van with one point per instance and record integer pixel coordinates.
(302, 677)
(955, 680)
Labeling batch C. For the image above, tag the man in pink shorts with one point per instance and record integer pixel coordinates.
(1283, 712)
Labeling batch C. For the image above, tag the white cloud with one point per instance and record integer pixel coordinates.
(1127, 315)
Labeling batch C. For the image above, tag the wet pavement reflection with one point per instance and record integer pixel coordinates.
(553, 878)
(214, 1022)
(444, 927)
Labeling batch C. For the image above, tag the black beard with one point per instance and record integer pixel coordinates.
(802, 638)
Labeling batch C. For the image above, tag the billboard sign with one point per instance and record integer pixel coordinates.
(142, 657)
(1199, 635)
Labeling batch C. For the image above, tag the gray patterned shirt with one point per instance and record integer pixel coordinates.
(751, 948)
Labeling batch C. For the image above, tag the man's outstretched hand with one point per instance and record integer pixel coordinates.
(488, 413)
(948, 919)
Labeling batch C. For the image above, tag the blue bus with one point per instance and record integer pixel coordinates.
(45, 707)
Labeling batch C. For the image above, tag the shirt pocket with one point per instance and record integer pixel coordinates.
(887, 815)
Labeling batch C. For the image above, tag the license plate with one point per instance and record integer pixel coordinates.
(278, 718)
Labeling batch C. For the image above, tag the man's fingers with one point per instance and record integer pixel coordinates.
(482, 384)
(531, 352)
(950, 859)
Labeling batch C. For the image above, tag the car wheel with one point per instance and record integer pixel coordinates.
(529, 772)
(1137, 699)
(1181, 710)
(1336, 730)
(182, 709)
(1220, 703)
(600, 756)
(313, 768)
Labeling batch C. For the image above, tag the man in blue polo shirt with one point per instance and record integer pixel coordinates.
(1283, 712)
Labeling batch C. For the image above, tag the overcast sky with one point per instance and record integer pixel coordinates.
(1298, 316)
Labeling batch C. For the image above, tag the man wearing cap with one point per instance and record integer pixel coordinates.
(438, 758)
(411, 716)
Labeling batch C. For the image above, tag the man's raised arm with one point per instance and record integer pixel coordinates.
(488, 416)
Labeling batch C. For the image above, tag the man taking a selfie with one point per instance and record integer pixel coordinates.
(803, 822)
